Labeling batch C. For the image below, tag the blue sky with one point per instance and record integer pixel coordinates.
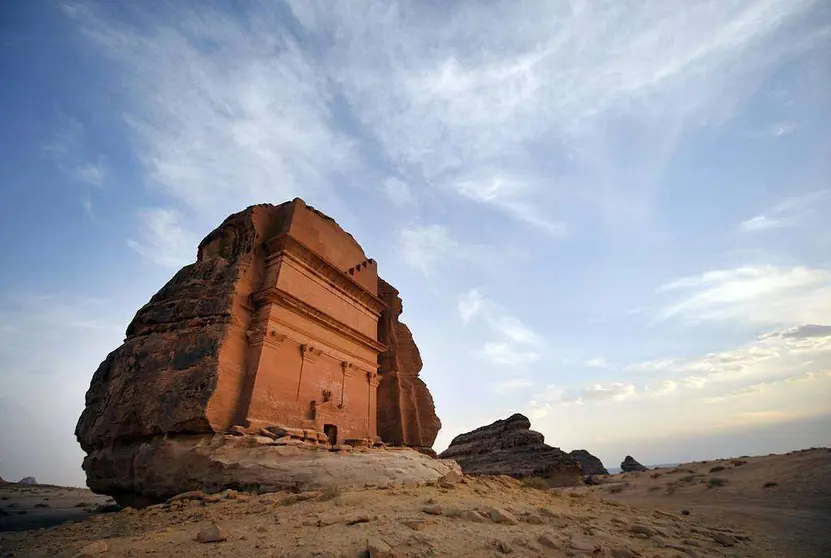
(610, 218)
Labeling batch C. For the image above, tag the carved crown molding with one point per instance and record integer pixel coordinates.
(287, 246)
(275, 295)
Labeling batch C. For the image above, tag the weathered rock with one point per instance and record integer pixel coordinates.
(161, 468)
(27, 480)
(510, 447)
(433, 509)
(406, 413)
(629, 465)
(498, 515)
(590, 464)
(280, 329)
(378, 548)
(212, 534)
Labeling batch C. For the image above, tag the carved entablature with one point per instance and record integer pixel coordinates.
(287, 246)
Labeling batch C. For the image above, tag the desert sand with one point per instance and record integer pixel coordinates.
(662, 513)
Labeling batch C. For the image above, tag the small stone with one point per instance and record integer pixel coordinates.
(504, 547)
(358, 519)
(415, 524)
(685, 512)
(623, 553)
(534, 519)
(96, 548)
(723, 538)
(473, 515)
(229, 494)
(212, 534)
(212, 498)
(637, 528)
(433, 509)
(582, 544)
(504, 517)
(548, 540)
(378, 548)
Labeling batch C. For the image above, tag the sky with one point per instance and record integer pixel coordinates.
(609, 216)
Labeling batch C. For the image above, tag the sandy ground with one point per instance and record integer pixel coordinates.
(487, 516)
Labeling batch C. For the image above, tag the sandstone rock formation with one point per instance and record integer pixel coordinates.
(629, 465)
(27, 480)
(406, 413)
(275, 328)
(165, 467)
(510, 447)
(590, 464)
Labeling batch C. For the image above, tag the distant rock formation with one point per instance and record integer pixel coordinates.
(510, 447)
(283, 325)
(590, 464)
(27, 480)
(629, 465)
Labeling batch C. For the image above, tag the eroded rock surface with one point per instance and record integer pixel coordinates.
(510, 447)
(590, 464)
(275, 326)
(406, 413)
(629, 465)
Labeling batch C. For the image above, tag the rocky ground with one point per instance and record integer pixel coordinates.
(486, 516)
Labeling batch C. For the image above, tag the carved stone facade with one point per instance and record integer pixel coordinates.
(277, 326)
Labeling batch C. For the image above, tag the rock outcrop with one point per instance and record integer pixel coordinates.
(510, 447)
(164, 467)
(629, 465)
(406, 413)
(27, 480)
(276, 325)
(590, 464)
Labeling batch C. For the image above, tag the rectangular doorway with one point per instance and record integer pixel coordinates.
(331, 432)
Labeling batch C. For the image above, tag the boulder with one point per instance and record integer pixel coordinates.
(510, 447)
(629, 465)
(589, 463)
(161, 468)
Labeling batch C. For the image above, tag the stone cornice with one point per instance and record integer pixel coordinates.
(274, 295)
(287, 246)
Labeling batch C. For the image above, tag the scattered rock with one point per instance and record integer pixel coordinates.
(723, 539)
(504, 546)
(685, 512)
(510, 447)
(581, 543)
(623, 553)
(504, 517)
(433, 509)
(363, 518)
(96, 548)
(378, 548)
(548, 540)
(473, 515)
(643, 530)
(629, 465)
(212, 534)
(189, 495)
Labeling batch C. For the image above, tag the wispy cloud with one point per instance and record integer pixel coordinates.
(518, 343)
(791, 212)
(425, 247)
(597, 362)
(398, 192)
(164, 240)
(765, 295)
(69, 151)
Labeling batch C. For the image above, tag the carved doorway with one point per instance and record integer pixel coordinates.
(331, 432)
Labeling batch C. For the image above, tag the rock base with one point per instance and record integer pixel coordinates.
(145, 472)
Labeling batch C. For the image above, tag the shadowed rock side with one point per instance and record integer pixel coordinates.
(406, 412)
(590, 464)
(275, 324)
(629, 465)
(510, 447)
